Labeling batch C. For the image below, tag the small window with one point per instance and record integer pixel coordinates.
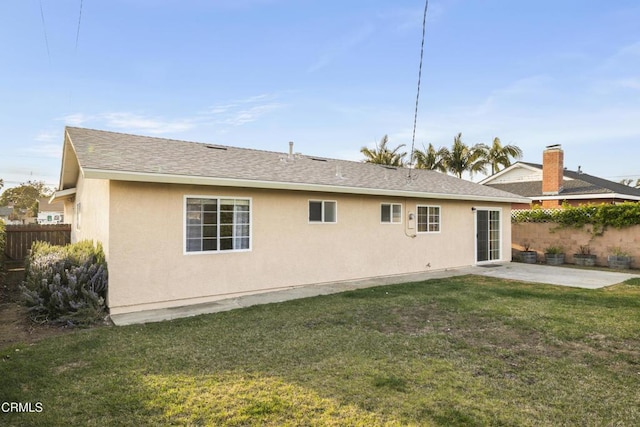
(323, 211)
(428, 219)
(391, 213)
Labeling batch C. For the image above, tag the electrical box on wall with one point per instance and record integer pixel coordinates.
(411, 221)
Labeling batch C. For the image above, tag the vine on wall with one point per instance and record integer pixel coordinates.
(600, 216)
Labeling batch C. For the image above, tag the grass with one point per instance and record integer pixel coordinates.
(460, 351)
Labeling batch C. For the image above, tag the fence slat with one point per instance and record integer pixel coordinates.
(21, 237)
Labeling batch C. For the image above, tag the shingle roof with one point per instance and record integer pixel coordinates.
(579, 183)
(5, 211)
(113, 155)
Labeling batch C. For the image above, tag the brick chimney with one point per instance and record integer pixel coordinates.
(552, 170)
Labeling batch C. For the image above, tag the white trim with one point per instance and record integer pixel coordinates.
(475, 228)
(63, 194)
(439, 219)
(587, 196)
(218, 198)
(391, 222)
(278, 185)
(508, 169)
(323, 201)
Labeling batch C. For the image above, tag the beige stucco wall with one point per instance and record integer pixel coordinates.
(148, 268)
(94, 196)
(543, 235)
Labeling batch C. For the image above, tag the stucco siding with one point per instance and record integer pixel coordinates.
(149, 269)
(93, 197)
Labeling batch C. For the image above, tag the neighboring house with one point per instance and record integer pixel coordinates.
(5, 213)
(185, 223)
(50, 213)
(551, 184)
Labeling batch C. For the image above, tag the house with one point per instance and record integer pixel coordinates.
(185, 223)
(5, 213)
(50, 213)
(550, 184)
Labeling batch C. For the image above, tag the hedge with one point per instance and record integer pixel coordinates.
(600, 216)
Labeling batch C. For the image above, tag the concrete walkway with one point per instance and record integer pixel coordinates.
(589, 279)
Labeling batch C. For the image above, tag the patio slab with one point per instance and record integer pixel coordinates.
(562, 276)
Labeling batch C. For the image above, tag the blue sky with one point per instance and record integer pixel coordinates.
(332, 76)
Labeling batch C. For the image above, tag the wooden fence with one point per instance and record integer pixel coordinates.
(20, 238)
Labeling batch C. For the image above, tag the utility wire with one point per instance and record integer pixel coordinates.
(78, 31)
(415, 115)
(44, 28)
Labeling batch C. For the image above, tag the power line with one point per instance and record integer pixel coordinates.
(78, 31)
(44, 28)
(415, 115)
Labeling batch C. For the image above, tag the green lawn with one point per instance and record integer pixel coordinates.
(461, 351)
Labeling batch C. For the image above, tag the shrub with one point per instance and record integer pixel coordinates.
(554, 250)
(599, 216)
(66, 284)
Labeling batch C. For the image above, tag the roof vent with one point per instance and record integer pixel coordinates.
(216, 147)
(318, 159)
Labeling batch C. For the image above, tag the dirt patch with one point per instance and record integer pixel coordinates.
(15, 325)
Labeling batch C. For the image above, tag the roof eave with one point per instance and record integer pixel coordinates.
(293, 186)
(62, 195)
(587, 196)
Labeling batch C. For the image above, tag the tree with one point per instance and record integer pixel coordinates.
(382, 155)
(629, 182)
(1, 183)
(430, 158)
(498, 155)
(24, 198)
(462, 158)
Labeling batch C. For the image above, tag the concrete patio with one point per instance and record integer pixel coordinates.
(561, 276)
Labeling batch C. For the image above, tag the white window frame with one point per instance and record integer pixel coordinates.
(323, 220)
(217, 199)
(391, 206)
(489, 209)
(428, 207)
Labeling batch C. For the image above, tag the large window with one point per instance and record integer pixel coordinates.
(217, 224)
(391, 213)
(428, 219)
(323, 211)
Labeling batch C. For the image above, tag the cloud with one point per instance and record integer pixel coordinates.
(242, 111)
(146, 124)
(340, 47)
(77, 119)
(229, 114)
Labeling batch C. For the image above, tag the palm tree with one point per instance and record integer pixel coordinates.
(462, 158)
(430, 159)
(382, 155)
(499, 155)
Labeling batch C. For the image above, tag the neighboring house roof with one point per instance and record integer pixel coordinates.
(5, 211)
(575, 185)
(118, 156)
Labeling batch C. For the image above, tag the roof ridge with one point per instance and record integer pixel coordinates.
(199, 143)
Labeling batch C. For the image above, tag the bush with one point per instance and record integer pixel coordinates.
(599, 216)
(66, 284)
